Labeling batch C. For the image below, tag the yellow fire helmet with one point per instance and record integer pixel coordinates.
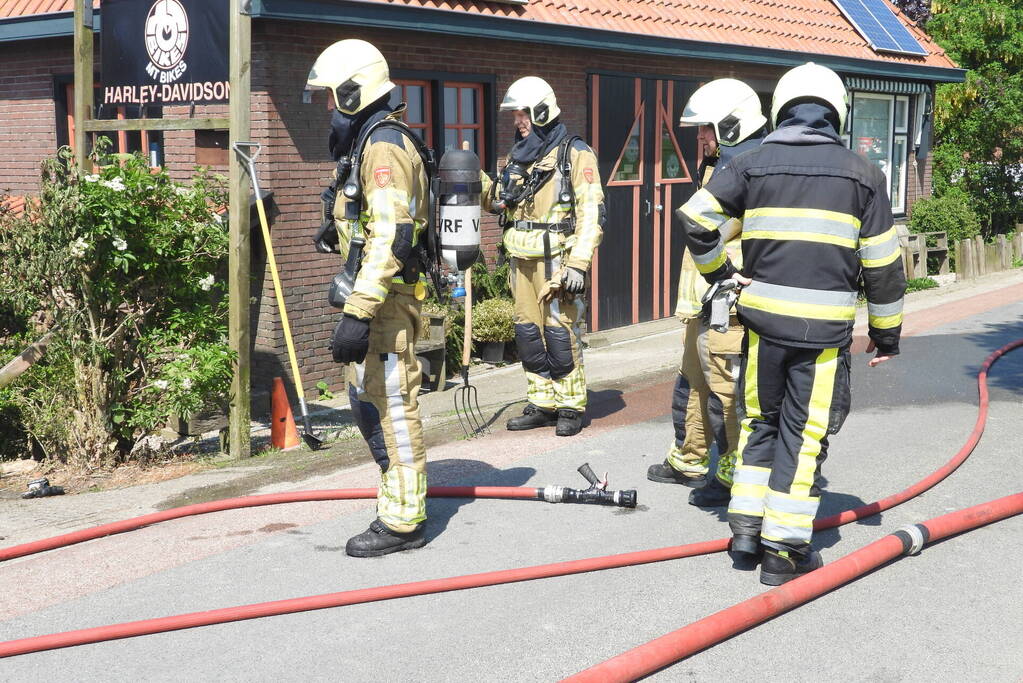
(811, 81)
(535, 96)
(354, 71)
(730, 106)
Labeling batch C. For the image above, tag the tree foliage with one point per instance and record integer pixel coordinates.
(979, 123)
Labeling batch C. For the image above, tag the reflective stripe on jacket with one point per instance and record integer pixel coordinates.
(393, 215)
(816, 219)
(545, 207)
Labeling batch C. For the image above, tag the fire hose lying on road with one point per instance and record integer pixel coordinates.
(628, 666)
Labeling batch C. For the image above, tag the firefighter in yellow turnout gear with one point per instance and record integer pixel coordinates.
(816, 222)
(551, 205)
(379, 204)
(729, 115)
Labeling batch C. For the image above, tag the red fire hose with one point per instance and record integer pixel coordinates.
(668, 649)
(250, 502)
(71, 638)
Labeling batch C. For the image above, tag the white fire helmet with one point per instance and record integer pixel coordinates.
(730, 106)
(535, 96)
(811, 82)
(354, 71)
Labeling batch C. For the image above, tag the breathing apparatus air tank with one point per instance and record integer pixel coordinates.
(458, 208)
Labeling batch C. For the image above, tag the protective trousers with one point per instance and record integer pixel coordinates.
(703, 404)
(384, 394)
(793, 398)
(548, 339)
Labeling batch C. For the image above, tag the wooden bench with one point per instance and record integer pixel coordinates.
(915, 252)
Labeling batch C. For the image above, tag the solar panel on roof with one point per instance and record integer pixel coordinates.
(882, 29)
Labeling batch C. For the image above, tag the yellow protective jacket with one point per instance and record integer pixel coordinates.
(392, 214)
(544, 207)
(691, 285)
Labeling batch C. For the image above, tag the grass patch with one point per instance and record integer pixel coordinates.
(919, 284)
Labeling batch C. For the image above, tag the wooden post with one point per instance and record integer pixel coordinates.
(1004, 253)
(239, 432)
(981, 259)
(960, 252)
(921, 264)
(83, 85)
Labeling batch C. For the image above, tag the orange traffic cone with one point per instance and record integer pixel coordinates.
(283, 433)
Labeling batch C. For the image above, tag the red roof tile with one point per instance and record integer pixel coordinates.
(24, 8)
(807, 26)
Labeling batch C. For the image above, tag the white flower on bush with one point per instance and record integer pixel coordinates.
(91, 178)
(186, 383)
(206, 283)
(117, 185)
(218, 218)
(161, 384)
(120, 244)
(78, 248)
(181, 191)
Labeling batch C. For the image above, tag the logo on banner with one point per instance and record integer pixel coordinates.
(166, 40)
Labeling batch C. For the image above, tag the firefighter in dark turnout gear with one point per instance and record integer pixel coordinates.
(551, 205)
(376, 214)
(729, 115)
(816, 221)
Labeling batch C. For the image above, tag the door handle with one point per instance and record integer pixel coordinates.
(648, 207)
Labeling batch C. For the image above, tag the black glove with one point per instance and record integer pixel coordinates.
(350, 340)
(574, 280)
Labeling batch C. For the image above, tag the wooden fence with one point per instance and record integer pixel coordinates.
(973, 257)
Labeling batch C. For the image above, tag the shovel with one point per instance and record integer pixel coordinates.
(250, 161)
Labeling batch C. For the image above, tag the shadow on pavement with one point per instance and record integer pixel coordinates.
(461, 472)
(603, 403)
(1007, 374)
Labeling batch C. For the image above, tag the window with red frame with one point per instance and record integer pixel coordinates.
(124, 141)
(463, 117)
(419, 114)
(446, 113)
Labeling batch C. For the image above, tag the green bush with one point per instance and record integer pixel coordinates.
(950, 213)
(126, 262)
(488, 284)
(493, 320)
(920, 283)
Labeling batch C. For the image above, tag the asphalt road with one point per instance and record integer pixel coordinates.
(955, 612)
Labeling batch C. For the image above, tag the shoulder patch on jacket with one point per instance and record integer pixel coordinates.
(589, 174)
(382, 175)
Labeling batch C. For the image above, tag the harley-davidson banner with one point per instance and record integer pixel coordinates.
(165, 51)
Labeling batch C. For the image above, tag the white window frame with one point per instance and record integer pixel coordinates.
(902, 132)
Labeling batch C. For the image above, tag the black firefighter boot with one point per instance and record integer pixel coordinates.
(779, 566)
(379, 539)
(663, 473)
(711, 495)
(570, 422)
(533, 417)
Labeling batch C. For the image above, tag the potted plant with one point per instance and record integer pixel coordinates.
(493, 324)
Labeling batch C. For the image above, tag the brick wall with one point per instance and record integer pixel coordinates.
(294, 163)
(298, 165)
(27, 113)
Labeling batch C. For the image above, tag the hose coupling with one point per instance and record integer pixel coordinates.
(914, 537)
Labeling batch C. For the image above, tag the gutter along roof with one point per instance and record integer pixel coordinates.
(778, 32)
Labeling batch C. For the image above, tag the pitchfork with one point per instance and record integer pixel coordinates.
(467, 405)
